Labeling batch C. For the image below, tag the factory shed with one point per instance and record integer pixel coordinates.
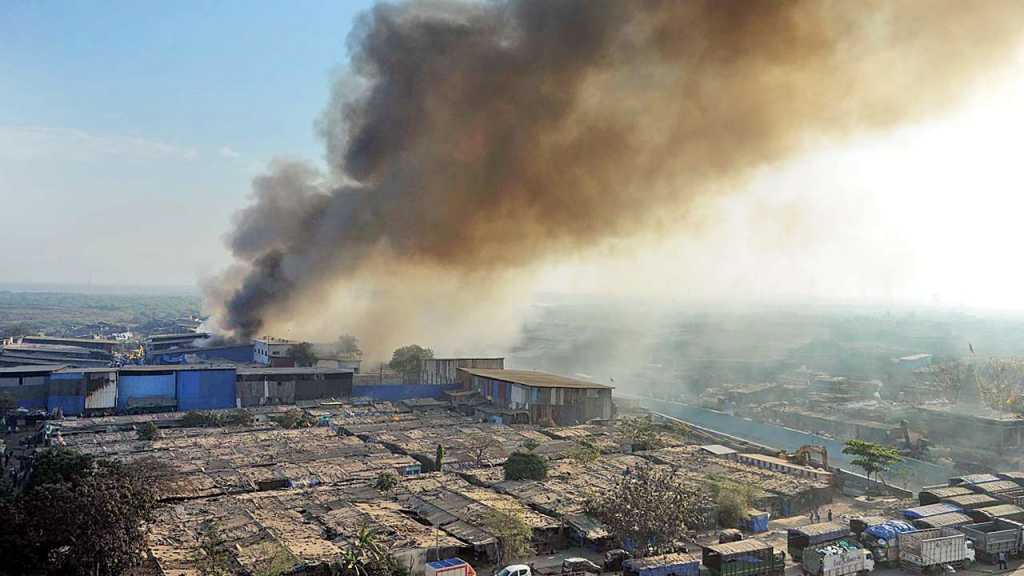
(28, 385)
(205, 388)
(67, 393)
(146, 388)
(445, 371)
(107, 346)
(549, 398)
(263, 386)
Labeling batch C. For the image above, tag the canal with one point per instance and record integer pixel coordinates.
(910, 474)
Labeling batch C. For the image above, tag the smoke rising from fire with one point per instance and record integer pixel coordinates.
(479, 140)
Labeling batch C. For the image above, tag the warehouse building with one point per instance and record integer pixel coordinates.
(540, 397)
(101, 344)
(263, 386)
(445, 371)
(48, 354)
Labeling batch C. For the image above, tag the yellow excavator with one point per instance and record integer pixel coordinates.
(806, 456)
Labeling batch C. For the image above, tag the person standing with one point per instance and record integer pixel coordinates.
(1002, 560)
(829, 514)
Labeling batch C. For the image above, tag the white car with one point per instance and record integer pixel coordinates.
(515, 570)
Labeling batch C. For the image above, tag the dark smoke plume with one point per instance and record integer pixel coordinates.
(477, 138)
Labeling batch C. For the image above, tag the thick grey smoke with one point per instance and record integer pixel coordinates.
(487, 137)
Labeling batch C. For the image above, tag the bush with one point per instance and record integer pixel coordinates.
(293, 418)
(195, 419)
(238, 418)
(148, 431)
(386, 481)
(525, 466)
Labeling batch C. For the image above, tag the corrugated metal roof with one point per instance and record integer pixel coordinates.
(533, 379)
(305, 370)
(717, 449)
(739, 547)
(31, 368)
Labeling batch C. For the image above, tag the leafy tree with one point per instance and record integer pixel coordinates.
(348, 347)
(641, 432)
(584, 452)
(734, 501)
(406, 361)
(512, 532)
(367, 556)
(530, 444)
(647, 507)
(386, 481)
(525, 466)
(303, 355)
(872, 458)
(72, 507)
(439, 458)
(148, 431)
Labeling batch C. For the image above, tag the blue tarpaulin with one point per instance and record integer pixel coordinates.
(889, 530)
(929, 510)
(205, 389)
(395, 392)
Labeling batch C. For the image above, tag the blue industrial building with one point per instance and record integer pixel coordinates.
(154, 388)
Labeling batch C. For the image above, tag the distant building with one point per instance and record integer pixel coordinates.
(105, 345)
(543, 397)
(271, 351)
(160, 343)
(263, 386)
(28, 353)
(445, 371)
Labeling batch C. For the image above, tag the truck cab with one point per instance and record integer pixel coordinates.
(869, 561)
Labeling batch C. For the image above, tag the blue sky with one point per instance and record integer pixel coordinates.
(129, 131)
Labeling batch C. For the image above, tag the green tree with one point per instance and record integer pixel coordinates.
(348, 347)
(439, 458)
(303, 355)
(294, 418)
(513, 534)
(147, 431)
(406, 361)
(386, 481)
(71, 507)
(734, 500)
(872, 458)
(525, 466)
(648, 507)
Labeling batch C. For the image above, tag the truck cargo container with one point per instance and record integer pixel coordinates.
(675, 564)
(991, 538)
(971, 501)
(951, 519)
(840, 558)
(449, 567)
(929, 510)
(934, 495)
(929, 549)
(744, 558)
(883, 540)
(859, 525)
(799, 538)
(1005, 511)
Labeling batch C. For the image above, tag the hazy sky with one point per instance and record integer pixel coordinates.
(129, 133)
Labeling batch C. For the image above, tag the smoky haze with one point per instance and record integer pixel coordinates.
(473, 142)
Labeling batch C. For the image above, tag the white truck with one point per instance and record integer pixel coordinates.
(935, 548)
(841, 558)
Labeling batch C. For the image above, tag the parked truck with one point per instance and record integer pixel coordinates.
(882, 540)
(813, 534)
(840, 558)
(934, 549)
(992, 538)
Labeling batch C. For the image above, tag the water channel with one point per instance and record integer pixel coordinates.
(910, 474)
